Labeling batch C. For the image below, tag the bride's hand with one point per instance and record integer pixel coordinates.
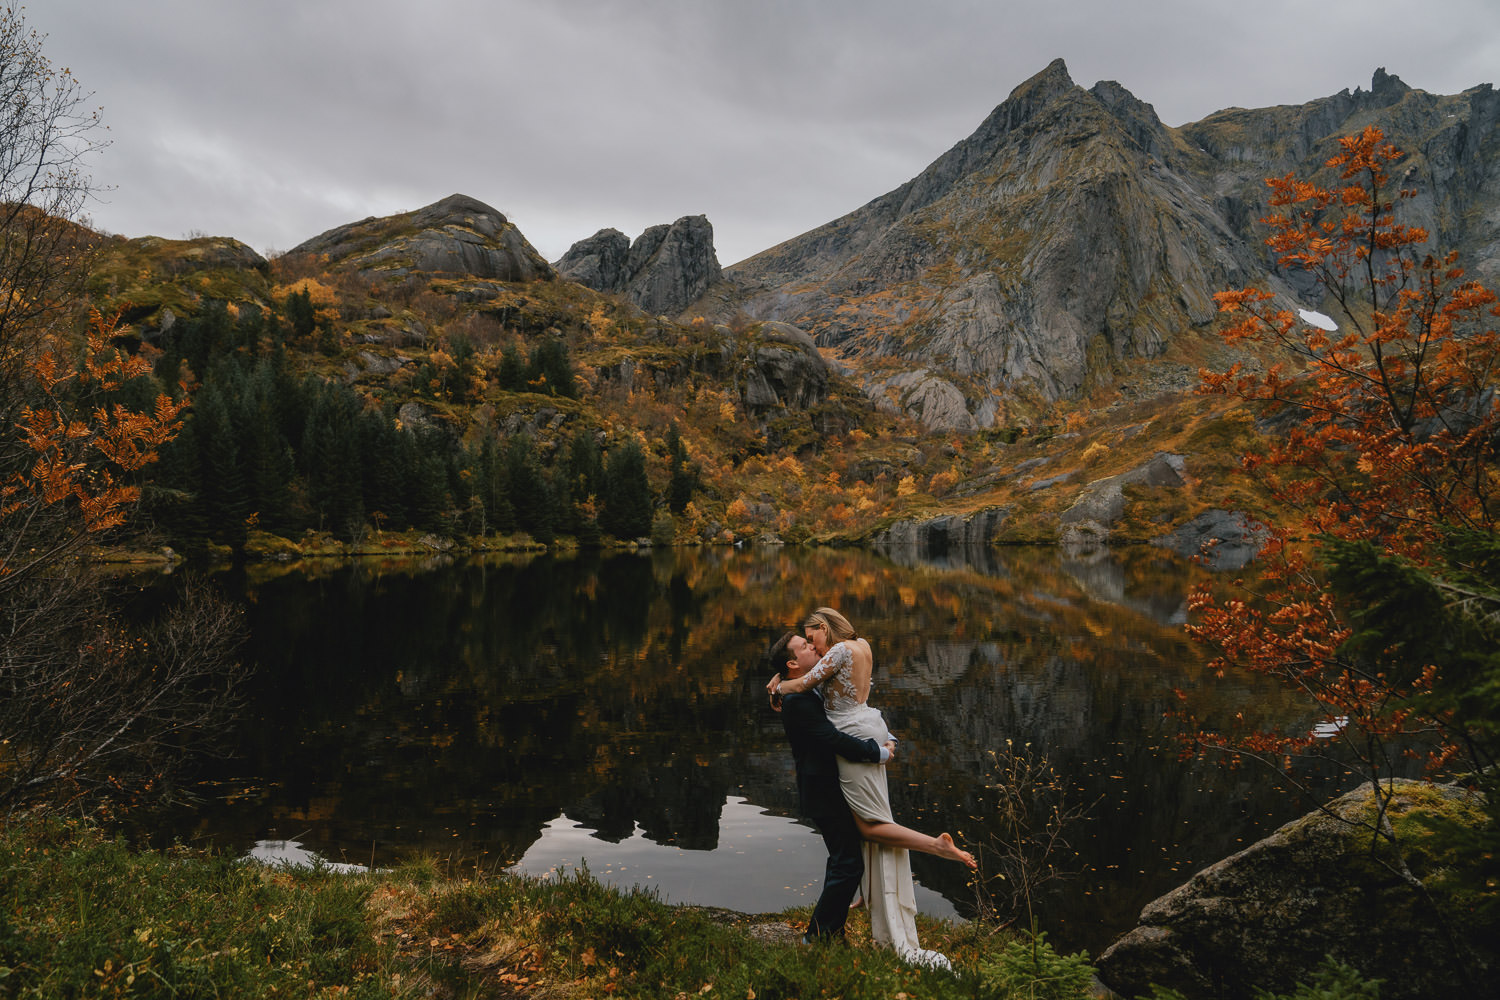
(771, 690)
(891, 746)
(771, 684)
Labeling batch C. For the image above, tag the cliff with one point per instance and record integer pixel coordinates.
(1074, 235)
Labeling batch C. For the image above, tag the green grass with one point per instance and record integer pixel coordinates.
(84, 915)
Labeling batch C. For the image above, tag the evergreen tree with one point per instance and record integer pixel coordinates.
(550, 370)
(626, 511)
(512, 373)
(683, 479)
(300, 313)
(531, 496)
(269, 467)
(580, 484)
(173, 494)
(222, 495)
(330, 461)
(251, 329)
(427, 480)
(490, 478)
(206, 337)
(382, 469)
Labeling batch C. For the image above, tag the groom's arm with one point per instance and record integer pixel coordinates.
(804, 712)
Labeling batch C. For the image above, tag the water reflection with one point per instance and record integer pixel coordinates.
(764, 862)
(478, 710)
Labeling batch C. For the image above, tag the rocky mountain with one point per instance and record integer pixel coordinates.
(1073, 234)
(458, 235)
(663, 271)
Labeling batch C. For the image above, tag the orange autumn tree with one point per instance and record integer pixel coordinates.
(92, 708)
(1379, 592)
(75, 452)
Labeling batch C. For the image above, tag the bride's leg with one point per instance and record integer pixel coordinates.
(896, 835)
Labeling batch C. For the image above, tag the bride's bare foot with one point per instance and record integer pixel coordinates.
(859, 901)
(946, 848)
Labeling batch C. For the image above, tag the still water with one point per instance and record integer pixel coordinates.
(544, 711)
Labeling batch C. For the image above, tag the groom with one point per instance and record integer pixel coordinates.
(815, 742)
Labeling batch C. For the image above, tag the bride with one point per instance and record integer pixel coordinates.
(844, 671)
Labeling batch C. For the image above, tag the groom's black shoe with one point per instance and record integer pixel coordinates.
(823, 939)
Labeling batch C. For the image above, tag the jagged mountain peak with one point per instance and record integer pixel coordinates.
(1030, 97)
(1073, 234)
(663, 271)
(1388, 85)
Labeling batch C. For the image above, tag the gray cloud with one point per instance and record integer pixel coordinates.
(277, 120)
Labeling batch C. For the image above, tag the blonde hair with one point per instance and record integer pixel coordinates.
(837, 625)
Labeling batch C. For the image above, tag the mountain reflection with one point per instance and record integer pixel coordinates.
(466, 708)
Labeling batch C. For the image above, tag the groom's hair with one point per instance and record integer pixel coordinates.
(779, 656)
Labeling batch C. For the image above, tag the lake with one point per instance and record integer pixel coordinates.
(543, 711)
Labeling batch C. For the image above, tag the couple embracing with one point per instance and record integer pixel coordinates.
(841, 744)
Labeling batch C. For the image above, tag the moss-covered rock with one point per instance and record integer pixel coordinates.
(1321, 885)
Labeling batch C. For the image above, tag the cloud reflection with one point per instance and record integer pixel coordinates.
(763, 864)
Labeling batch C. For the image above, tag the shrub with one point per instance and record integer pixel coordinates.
(1028, 967)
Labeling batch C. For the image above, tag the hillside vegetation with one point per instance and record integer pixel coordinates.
(355, 401)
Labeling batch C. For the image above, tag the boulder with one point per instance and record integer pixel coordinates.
(1267, 916)
(1225, 539)
(785, 370)
(1102, 502)
(933, 400)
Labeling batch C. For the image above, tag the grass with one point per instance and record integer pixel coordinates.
(84, 915)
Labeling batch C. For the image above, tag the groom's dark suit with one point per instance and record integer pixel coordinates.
(815, 742)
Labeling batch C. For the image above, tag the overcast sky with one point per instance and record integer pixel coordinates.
(274, 120)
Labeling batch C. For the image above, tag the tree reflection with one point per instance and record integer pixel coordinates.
(460, 709)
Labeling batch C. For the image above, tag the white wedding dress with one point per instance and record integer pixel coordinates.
(890, 894)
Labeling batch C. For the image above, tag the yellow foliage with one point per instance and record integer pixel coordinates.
(726, 412)
(907, 486)
(318, 293)
(738, 511)
(1094, 452)
(942, 482)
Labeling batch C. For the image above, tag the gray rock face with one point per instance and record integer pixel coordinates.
(1269, 914)
(1236, 539)
(458, 235)
(785, 370)
(663, 272)
(1074, 232)
(599, 262)
(1101, 503)
(933, 400)
(939, 535)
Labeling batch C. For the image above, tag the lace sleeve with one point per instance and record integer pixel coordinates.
(838, 657)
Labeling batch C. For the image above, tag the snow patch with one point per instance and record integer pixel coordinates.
(1318, 320)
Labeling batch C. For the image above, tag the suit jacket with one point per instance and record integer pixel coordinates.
(815, 746)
